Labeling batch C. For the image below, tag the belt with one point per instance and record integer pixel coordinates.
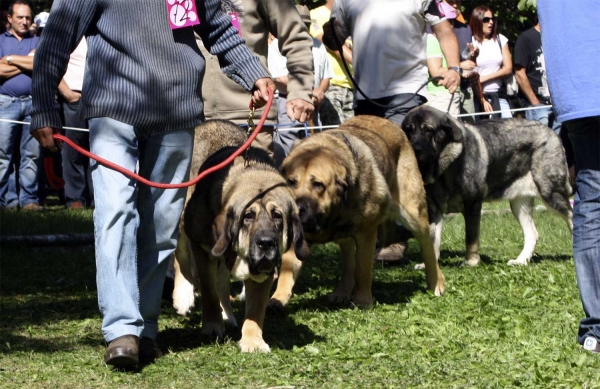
(22, 98)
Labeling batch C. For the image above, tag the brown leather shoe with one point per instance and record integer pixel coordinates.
(33, 207)
(149, 351)
(122, 352)
(75, 206)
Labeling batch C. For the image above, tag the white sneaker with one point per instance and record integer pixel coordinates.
(591, 344)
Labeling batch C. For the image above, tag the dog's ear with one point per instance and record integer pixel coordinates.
(452, 128)
(222, 233)
(341, 186)
(301, 247)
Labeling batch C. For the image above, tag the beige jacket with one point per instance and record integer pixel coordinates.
(223, 98)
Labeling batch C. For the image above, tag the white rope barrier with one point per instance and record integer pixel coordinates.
(320, 128)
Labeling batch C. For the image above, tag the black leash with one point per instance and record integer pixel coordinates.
(341, 53)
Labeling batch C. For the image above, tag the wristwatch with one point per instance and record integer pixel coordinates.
(457, 69)
(8, 59)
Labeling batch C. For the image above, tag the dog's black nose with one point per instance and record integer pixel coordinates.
(301, 210)
(266, 243)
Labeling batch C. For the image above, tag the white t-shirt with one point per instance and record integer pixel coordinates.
(389, 41)
(489, 61)
(277, 62)
(74, 74)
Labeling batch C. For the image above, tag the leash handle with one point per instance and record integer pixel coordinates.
(199, 177)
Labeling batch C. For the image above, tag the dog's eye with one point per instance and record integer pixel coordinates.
(277, 215)
(428, 128)
(292, 182)
(318, 185)
(249, 216)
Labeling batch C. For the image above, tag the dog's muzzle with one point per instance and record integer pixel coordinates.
(308, 215)
(264, 253)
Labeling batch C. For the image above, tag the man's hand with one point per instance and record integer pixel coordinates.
(317, 96)
(299, 110)
(260, 95)
(451, 80)
(72, 97)
(44, 136)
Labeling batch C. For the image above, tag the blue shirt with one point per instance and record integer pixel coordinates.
(571, 52)
(19, 85)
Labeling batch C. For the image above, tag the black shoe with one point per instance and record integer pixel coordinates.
(149, 351)
(122, 352)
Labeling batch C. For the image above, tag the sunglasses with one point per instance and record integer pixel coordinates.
(487, 20)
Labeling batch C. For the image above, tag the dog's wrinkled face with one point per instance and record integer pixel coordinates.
(429, 131)
(259, 233)
(319, 183)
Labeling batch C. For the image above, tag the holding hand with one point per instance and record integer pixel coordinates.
(260, 94)
(44, 136)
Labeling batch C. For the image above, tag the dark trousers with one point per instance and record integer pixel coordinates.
(395, 114)
(76, 167)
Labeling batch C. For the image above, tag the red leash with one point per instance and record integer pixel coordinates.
(183, 184)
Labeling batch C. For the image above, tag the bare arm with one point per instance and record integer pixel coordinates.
(319, 92)
(525, 86)
(8, 71)
(66, 92)
(23, 62)
(449, 44)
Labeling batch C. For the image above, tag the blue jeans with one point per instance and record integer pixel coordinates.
(135, 226)
(545, 116)
(11, 134)
(585, 137)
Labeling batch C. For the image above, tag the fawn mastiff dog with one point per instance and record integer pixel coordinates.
(464, 165)
(238, 220)
(351, 186)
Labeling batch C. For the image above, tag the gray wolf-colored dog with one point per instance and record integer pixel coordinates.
(464, 165)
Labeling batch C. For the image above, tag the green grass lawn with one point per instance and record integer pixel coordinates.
(496, 327)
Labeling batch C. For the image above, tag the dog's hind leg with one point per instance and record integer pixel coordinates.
(183, 292)
(472, 215)
(212, 320)
(343, 293)
(288, 274)
(257, 296)
(557, 200)
(223, 289)
(522, 209)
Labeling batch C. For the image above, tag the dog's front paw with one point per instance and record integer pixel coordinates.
(363, 302)
(215, 330)
(517, 262)
(278, 302)
(472, 262)
(183, 298)
(251, 344)
(340, 298)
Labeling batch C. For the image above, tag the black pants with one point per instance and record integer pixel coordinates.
(395, 114)
(76, 166)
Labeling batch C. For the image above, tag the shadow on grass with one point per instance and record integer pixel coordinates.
(276, 332)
